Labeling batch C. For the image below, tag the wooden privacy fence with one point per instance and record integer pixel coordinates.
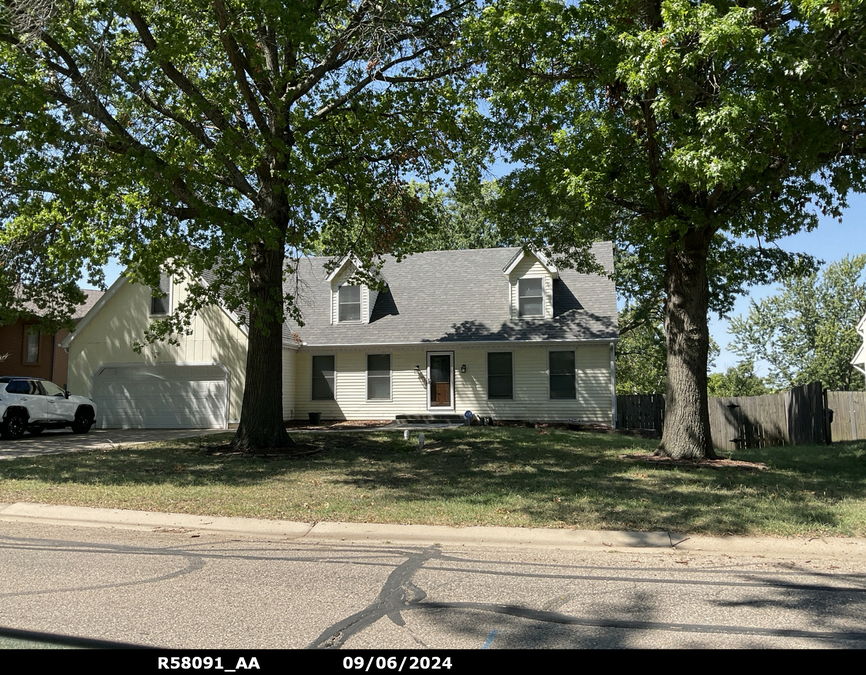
(804, 415)
(849, 415)
(640, 411)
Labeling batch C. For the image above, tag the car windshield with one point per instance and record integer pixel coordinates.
(52, 389)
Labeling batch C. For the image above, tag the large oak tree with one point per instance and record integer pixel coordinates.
(692, 134)
(222, 137)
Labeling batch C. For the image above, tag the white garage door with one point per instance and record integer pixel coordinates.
(165, 396)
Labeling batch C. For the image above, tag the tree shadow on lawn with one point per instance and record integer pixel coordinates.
(571, 478)
(547, 477)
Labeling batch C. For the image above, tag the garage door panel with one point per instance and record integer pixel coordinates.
(169, 397)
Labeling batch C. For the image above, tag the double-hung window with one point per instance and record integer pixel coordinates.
(350, 303)
(323, 378)
(562, 375)
(161, 304)
(500, 375)
(378, 377)
(530, 297)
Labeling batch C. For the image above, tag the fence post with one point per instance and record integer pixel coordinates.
(828, 419)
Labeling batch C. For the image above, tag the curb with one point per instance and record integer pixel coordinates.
(428, 535)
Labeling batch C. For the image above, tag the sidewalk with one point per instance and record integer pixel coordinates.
(428, 535)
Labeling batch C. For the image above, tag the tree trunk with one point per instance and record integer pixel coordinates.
(686, 432)
(261, 425)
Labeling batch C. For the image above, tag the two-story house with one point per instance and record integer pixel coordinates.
(499, 332)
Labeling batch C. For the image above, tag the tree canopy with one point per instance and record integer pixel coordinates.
(189, 136)
(692, 134)
(738, 380)
(807, 331)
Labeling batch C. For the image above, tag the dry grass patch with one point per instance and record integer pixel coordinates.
(466, 476)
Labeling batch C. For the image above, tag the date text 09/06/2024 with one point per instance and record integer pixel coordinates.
(384, 663)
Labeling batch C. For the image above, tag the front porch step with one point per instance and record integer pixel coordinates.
(431, 418)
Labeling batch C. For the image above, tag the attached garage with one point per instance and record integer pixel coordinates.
(162, 396)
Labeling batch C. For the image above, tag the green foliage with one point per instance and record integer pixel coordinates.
(198, 135)
(638, 121)
(807, 332)
(463, 217)
(739, 380)
(641, 355)
(692, 134)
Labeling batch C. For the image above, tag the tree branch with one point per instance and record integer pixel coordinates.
(241, 66)
(211, 111)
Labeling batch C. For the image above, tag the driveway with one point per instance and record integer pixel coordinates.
(63, 440)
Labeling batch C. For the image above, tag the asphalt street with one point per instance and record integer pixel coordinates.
(181, 582)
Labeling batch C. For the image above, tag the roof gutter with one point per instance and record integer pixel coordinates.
(356, 345)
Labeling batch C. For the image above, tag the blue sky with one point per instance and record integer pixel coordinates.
(830, 241)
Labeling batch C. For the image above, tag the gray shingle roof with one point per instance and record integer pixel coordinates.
(91, 297)
(457, 296)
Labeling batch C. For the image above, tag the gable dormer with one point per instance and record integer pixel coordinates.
(351, 300)
(530, 285)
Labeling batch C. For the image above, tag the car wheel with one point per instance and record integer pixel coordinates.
(13, 427)
(35, 429)
(82, 422)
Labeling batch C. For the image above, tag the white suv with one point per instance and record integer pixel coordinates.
(33, 404)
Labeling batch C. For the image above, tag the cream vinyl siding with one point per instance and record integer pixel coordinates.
(531, 385)
(409, 392)
(527, 268)
(289, 356)
(109, 337)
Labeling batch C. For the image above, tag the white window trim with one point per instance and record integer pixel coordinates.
(313, 377)
(549, 397)
(487, 365)
(390, 378)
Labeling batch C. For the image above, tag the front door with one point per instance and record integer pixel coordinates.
(440, 380)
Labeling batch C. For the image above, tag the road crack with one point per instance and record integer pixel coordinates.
(398, 593)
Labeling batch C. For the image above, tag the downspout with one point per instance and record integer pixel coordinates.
(862, 370)
(612, 385)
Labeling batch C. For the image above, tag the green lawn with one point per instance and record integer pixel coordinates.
(481, 476)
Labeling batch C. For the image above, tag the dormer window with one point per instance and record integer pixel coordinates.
(350, 303)
(530, 297)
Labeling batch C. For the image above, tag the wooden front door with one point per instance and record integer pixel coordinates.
(440, 381)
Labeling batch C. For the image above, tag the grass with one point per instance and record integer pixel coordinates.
(500, 476)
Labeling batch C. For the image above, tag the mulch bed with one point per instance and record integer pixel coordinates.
(347, 424)
(696, 463)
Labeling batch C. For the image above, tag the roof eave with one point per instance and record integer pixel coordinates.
(540, 257)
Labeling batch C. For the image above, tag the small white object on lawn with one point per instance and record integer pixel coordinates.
(420, 441)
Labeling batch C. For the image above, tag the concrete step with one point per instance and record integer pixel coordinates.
(431, 418)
